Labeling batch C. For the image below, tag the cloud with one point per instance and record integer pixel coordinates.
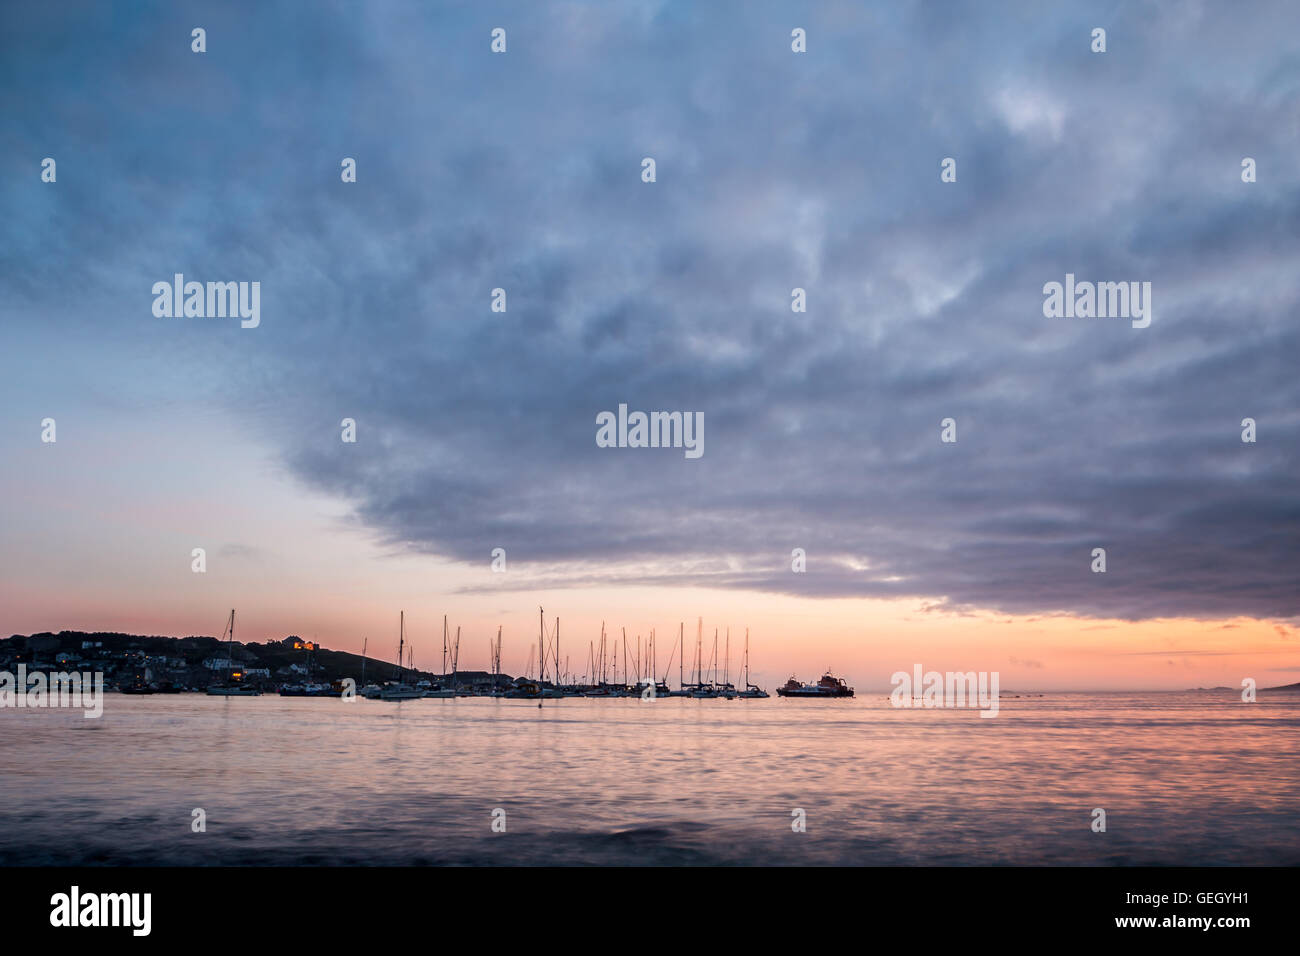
(820, 171)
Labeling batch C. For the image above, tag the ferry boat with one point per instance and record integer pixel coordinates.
(828, 686)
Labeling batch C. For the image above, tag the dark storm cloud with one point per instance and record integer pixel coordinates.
(476, 430)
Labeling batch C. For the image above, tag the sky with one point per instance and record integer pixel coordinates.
(775, 170)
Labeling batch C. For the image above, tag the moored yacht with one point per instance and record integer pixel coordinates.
(399, 689)
(235, 686)
(751, 691)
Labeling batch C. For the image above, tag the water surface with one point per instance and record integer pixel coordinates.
(1187, 779)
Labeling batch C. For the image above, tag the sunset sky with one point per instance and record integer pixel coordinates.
(775, 170)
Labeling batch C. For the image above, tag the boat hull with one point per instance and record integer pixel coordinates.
(401, 692)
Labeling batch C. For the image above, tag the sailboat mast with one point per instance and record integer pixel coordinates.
(401, 644)
(230, 645)
(699, 652)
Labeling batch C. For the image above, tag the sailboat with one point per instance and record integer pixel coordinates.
(661, 686)
(726, 689)
(368, 691)
(233, 688)
(529, 689)
(445, 688)
(681, 690)
(400, 690)
(698, 688)
(750, 691)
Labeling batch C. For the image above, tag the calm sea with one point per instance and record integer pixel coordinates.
(1193, 778)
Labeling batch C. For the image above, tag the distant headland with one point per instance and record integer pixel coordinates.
(193, 663)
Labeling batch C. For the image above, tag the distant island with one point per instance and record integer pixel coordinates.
(192, 663)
